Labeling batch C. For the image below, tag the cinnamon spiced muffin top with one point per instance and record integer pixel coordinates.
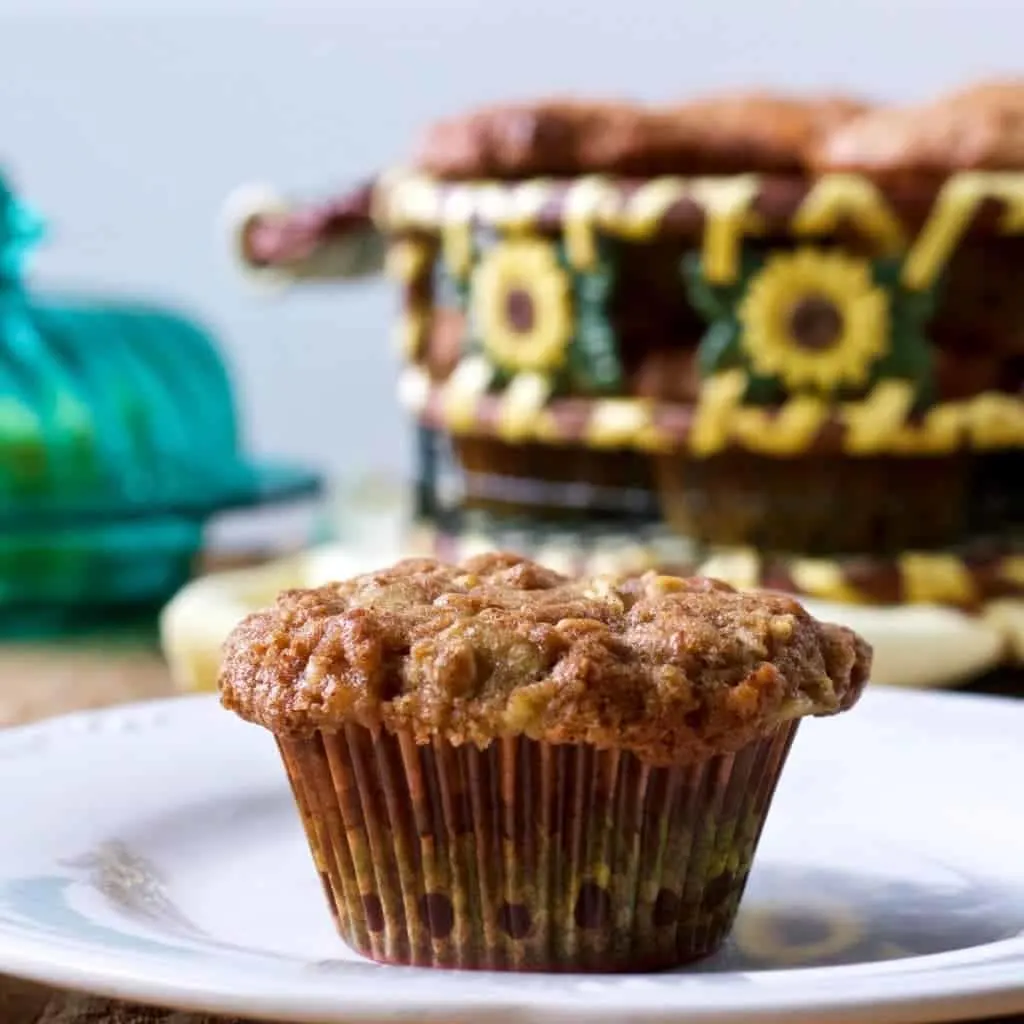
(980, 127)
(725, 133)
(669, 668)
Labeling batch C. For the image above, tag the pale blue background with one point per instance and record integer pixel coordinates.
(128, 123)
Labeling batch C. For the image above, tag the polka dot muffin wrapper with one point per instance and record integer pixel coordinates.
(527, 855)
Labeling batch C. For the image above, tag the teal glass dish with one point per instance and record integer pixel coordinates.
(118, 440)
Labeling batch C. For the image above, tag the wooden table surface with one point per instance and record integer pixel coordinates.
(38, 680)
(41, 680)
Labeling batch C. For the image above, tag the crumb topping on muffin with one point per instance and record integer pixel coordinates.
(724, 133)
(980, 127)
(669, 668)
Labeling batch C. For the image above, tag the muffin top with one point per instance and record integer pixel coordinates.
(671, 669)
(980, 127)
(724, 133)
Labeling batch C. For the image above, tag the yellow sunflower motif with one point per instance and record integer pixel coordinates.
(522, 307)
(815, 320)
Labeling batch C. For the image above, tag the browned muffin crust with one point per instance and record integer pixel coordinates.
(671, 669)
(763, 131)
(716, 134)
(980, 127)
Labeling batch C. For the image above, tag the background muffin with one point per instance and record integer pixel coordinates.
(723, 133)
(782, 332)
(977, 128)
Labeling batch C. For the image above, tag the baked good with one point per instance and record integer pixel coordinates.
(501, 767)
(782, 335)
(722, 133)
(979, 128)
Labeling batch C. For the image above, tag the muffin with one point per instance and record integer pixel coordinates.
(500, 767)
(977, 128)
(785, 332)
(722, 133)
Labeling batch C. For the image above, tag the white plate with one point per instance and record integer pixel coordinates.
(152, 852)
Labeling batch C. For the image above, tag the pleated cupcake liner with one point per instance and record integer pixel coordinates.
(529, 856)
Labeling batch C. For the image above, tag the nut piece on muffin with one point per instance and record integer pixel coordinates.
(500, 767)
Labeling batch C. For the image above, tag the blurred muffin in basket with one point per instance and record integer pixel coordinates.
(778, 338)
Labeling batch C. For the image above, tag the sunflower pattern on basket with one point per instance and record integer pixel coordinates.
(533, 318)
(815, 322)
(743, 319)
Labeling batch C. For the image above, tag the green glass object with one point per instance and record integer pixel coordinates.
(118, 439)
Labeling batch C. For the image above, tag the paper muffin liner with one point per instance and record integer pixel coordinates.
(528, 855)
